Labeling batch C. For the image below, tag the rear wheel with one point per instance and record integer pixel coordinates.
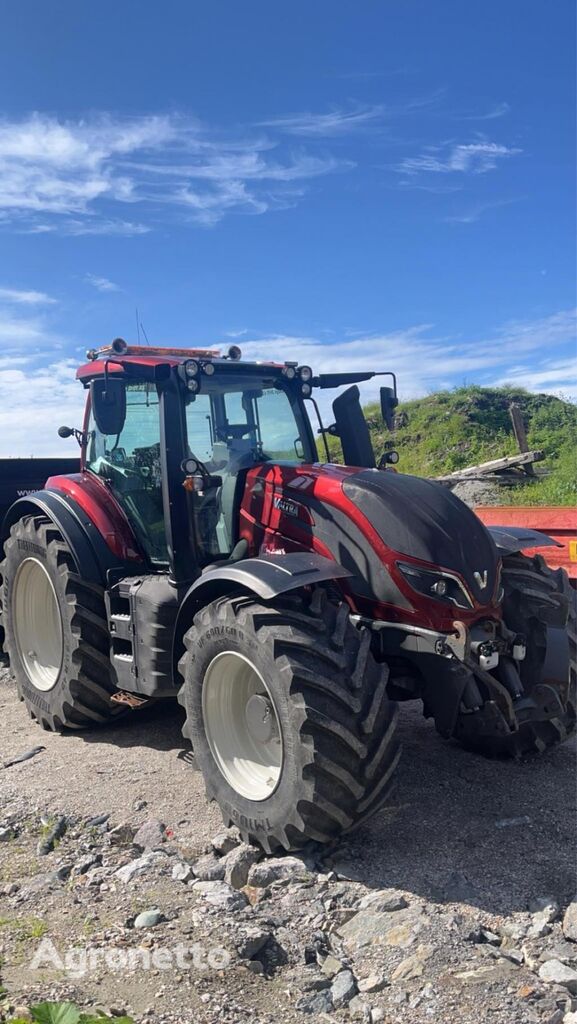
(534, 594)
(288, 715)
(56, 632)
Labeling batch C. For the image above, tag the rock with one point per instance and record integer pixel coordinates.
(209, 868)
(226, 840)
(96, 821)
(182, 872)
(6, 834)
(278, 869)
(343, 989)
(514, 930)
(385, 901)
(238, 864)
(47, 844)
(490, 937)
(85, 863)
(540, 925)
(563, 951)
(557, 973)
(377, 1014)
(150, 835)
(331, 966)
(413, 966)
(11, 889)
(372, 983)
(121, 835)
(254, 966)
(358, 1007)
(315, 1003)
(148, 919)
(516, 956)
(570, 1018)
(399, 929)
(570, 921)
(252, 941)
(221, 895)
(138, 867)
(546, 905)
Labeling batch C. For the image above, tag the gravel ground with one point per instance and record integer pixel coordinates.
(472, 867)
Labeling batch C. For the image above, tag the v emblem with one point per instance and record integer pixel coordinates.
(482, 578)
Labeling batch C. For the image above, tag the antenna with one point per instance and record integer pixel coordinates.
(145, 334)
(137, 325)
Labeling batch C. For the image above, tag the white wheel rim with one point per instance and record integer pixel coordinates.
(242, 726)
(37, 624)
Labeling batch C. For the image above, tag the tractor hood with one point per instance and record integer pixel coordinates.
(424, 520)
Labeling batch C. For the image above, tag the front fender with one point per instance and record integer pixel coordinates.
(510, 539)
(266, 577)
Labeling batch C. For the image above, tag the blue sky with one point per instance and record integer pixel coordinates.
(387, 184)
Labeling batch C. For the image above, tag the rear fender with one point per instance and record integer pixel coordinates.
(91, 554)
(511, 539)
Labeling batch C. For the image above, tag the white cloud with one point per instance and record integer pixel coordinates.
(499, 110)
(25, 298)
(457, 158)
(102, 284)
(336, 122)
(76, 176)
(475, 212)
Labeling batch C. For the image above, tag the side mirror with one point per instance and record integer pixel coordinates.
(389, 403)
(108, 398)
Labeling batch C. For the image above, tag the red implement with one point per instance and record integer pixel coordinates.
(558, 521)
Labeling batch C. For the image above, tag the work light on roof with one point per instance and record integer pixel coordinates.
(305, 372)
(208, 368)
(191, 368)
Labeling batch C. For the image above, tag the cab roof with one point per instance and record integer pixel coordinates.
(114, 357)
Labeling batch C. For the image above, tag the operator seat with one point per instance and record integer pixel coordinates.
(241, 457)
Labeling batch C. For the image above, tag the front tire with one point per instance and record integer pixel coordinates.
(56, 632)
(289, 718)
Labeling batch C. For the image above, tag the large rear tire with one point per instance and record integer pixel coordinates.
(56, 632)
(289, 718)
(533, 595)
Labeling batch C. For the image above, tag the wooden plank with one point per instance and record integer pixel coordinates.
(520, 433)
(495, 466)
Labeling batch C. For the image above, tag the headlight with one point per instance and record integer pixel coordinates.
(191, 368)
(290, 370)
(305, 372)
(440, 586)
(306, 390)
(208, 368)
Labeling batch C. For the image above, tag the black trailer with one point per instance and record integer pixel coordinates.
(19, 477)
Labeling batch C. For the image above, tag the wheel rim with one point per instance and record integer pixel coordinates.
(37, 624)
(242, 726)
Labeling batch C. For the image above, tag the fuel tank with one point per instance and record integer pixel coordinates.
(370, 521)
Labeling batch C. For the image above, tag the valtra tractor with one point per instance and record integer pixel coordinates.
(206, 552)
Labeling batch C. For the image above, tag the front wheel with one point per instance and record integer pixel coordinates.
(56, 633)
(289, 718)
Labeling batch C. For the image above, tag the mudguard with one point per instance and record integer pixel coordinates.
(91, 554)
(510, 539)
(266, 577)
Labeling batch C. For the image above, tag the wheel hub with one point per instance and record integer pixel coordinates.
(261, 719)
(38, 624)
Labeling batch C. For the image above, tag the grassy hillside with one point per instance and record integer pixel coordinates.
(453, 429)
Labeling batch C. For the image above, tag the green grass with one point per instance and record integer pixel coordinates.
(450, 430)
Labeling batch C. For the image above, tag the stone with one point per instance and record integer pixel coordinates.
(238, 863)
(209, 868)
(254, 966)
(226, 840)
(139, 866)
(148, 918)
(557, 973)
(252, 941)
(331, 966)
(221, 895)
(278, 869)
(540, 925)
(343, 989)
(367, 928)
(571, 1017)
(516, 956)
(385, 901)
(546, 905)
(315, 1003)
(490, 937)
(413, 966)
(377, 1014)
(182, 872)
(150, 835)
(6, 834)
(358, 1007)
(85, 863)
(570, 921)
(372, 983)
(11, 889)
(121, 835)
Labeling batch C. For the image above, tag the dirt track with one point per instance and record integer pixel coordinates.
(461, 832)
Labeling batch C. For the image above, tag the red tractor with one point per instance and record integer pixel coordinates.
(204, 551)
